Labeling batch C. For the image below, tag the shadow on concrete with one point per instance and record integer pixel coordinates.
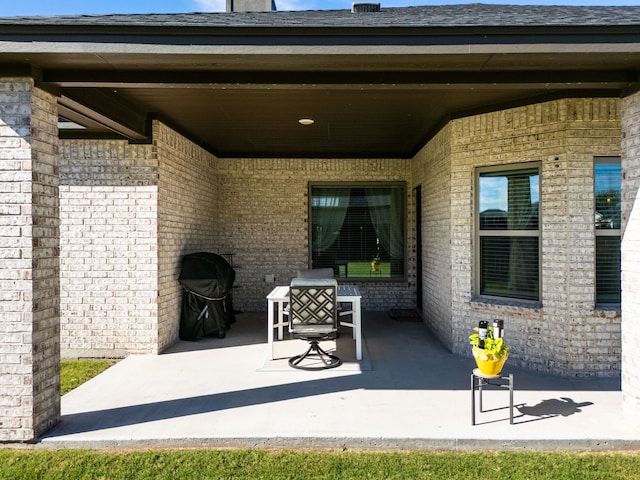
(553, 407)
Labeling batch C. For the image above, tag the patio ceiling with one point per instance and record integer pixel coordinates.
(373, 113)
(370, 94)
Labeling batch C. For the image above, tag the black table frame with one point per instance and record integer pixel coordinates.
(478, 380)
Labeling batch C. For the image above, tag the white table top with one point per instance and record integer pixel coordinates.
(281, 293)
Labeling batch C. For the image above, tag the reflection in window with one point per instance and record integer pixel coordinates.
(607, 183)
(359, 230)
(508, 229)
(607, 192)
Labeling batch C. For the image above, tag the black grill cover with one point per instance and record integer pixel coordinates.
(207, 307)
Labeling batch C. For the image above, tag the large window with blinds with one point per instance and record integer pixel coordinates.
(359, 230)
(607, 191)
(508, 232)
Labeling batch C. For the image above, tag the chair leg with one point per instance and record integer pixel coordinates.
(298, 358)
(314, 350)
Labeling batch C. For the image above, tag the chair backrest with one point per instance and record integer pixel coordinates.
(315, 273)
(312, 305)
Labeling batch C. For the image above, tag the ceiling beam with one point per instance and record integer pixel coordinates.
(341, 80)
(101, 108)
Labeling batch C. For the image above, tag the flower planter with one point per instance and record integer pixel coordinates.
(487, 362)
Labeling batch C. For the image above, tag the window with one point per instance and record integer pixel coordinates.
(508, 247)
(607, 191)
(359, 229)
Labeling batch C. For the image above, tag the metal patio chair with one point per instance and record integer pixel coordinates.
(313, 317)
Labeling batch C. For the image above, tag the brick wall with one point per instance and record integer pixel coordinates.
(432, 170)
(567, 335)
(45, 260)
(631, 255)
(129, 213)
(29, 266)
(263, 219)
(108, 210)
(187, 218)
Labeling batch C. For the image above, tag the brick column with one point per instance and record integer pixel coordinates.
(29, 261)
(631, 256)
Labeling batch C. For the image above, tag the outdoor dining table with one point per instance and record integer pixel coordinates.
(279, 296)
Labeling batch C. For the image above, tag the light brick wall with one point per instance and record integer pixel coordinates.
(45, 260)
(263, 218)
(129, 213)
(432, 170)
(631, 256)
(108, 213)
(29, 266)
(567, 335)
(187, 218)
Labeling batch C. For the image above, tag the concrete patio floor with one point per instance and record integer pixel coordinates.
(408, 393)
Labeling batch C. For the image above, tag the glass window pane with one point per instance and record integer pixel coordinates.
(608, 178)
(607, 192)
(509, 267)
(509, 200)
(607, 269)
(359, 231)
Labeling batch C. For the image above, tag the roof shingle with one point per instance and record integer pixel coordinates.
(471, 15)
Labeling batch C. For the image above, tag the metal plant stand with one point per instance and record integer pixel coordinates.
(479, 380)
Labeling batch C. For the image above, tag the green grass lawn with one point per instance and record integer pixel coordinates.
(75, 372)
(309, 464)
(363, 270)
(158, 464)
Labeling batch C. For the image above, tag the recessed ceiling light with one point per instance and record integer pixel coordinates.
(306, 121)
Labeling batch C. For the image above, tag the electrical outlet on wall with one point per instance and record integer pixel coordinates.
(269, 278)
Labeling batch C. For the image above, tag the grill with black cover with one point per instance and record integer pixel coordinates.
(207, 307)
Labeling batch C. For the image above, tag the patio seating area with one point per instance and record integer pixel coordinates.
(408, 392)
